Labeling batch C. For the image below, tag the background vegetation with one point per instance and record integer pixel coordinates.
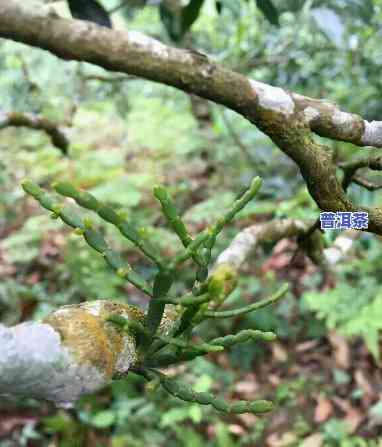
(126, 135)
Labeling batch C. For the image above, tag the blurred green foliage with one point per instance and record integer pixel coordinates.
(354, 306)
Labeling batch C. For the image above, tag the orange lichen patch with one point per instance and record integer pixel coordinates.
(84, 335)
(88, 335)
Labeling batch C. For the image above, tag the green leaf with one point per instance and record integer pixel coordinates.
(120, 190)
(190, 13)
(174, 416)
(170, 21)
(178, 22)
(203, 384)
(269, 10)
(293, 5)
(223, 436)
(179, 414)
(364, 9)
(103, 419)
(89, 10)
(195, 413)
(219, 6)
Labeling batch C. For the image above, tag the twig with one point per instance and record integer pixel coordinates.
(17, 119)
(237, 140)
(366, 183)
(350, 168)
(100, 78)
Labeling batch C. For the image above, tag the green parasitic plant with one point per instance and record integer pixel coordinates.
(162, 336)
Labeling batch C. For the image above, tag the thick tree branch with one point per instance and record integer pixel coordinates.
(74, 351)
(327, 120)
(288, 119)
(137, 54)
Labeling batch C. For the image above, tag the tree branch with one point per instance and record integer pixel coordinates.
(16, 119)
(366, 184)
(137, 54)
(251, 238)
(74, 351)
(287, 118)
(110, 79)
(351, 167)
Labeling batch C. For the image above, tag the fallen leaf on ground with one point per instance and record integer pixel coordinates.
(323, 410)
(315, 440)
(341, 350)
(236, 429)
(364, 383)
(248, 419)
(306, 345)
(353, 416)
(284, 440)
(279, 353)
(9, 423)
(246, 387)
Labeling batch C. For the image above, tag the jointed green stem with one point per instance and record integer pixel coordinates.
(171, 214)
(175, 221)
(183, 392)
(134, 327)
(162, 284)
(190, 352)
(188, 300)
(202, 347)
(92, 237)
(191, 250)
(236, 207)
(88, 201)
(250, 308)
(242, 337)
